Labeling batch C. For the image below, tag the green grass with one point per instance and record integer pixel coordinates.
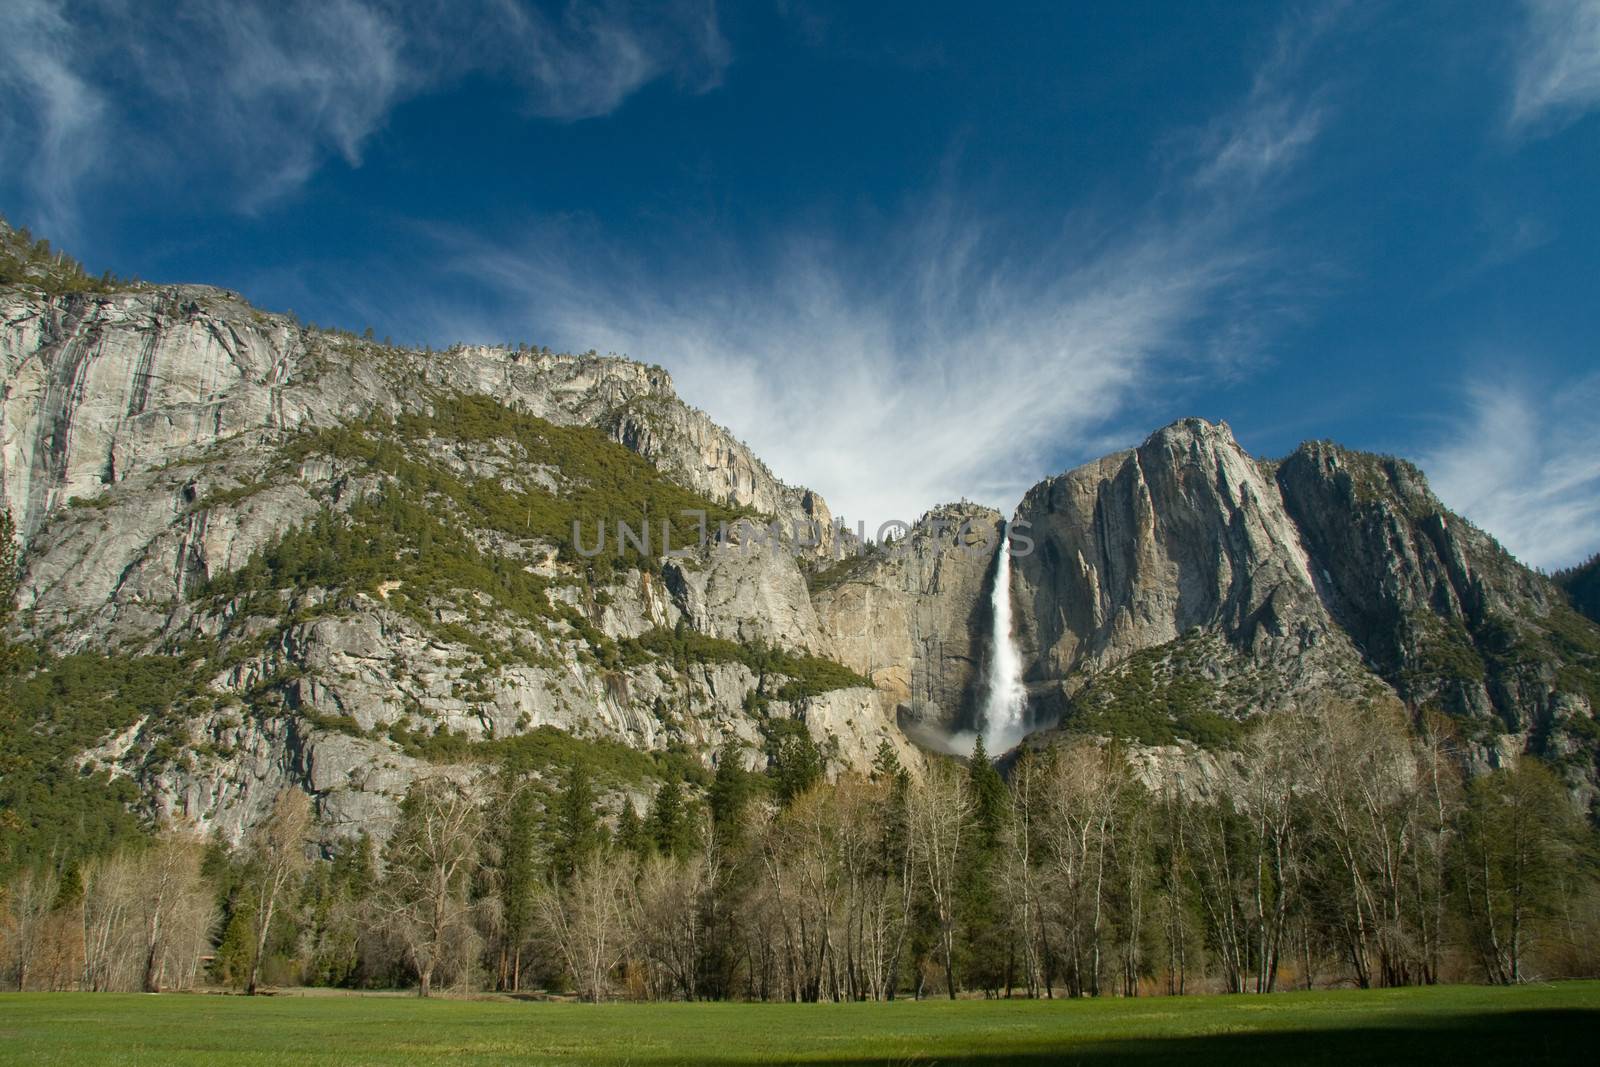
(1527, 1025)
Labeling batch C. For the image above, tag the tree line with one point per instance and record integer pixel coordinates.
(1340, 845)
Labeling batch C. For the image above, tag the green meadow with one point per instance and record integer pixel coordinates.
(1558, 1023)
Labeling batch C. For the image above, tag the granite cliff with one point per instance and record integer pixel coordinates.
(365, 557)
(335, 564)
(1180, 587)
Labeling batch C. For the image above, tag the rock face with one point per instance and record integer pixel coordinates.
(153, 441)
(360, 554)
(747, 597)
(1266, 583)
(101, 388)
(1442, 612)
(913, 616)
(1139, 548)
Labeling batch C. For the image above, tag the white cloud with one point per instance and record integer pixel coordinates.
(1275, 136)
(891, 367)
(593, 58)
(936, 371)
(1274, 126)
(1557, 64)
(267, 91)
(39, 79)
(943, 356)
(262, 92)
(1523, 465)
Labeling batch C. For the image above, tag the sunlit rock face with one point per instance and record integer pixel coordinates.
(913, 617)
(1141, 547)
(1329, 573)
(157, 441)
(152, 441)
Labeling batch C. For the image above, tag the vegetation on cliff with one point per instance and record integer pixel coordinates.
(27, 261)
(1159, 696)
(1582, 586)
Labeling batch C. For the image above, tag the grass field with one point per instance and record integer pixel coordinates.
(1528, 1025)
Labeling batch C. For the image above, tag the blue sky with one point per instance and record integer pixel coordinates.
(909, 252)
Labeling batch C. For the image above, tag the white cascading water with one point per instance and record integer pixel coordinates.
(1006, 698)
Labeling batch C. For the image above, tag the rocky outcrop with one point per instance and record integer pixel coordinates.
(236, 765)
(100, 388)
(1139, 547)
(912, 616)
(153, 440)
(1186, 569)
(687, 445)
(1441, 611)
(1186, 533)
(157, 442)
(747, 594)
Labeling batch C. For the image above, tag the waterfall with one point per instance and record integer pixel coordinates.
(1005, 699)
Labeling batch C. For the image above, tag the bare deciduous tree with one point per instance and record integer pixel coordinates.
(147, 916)
(939, 811)
(277, 859)
(668, 932)
(1362, 783)
(107, 912)
(1020, 876)
(1082, 798)
(803, 884)
(177, 911)
(878, 882)
(27, 911)
(427, 866)
(587, 920)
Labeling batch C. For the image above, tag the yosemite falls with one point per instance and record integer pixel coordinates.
(1005, 698)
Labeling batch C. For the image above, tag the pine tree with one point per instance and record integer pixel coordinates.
(518, 880)
(576, 827)
(670, 825)
(988, 797)
(794, 761)
(235, 954)
(729, 794)
(631, 836)
(985, 939)
(354, 869)
(886, 763)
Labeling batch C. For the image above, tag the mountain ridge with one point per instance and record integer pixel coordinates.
(357, 555)
(1332, 569)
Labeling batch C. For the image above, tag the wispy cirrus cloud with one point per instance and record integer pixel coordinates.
(1277, 133)
(588, 61)
(255, 95)
(948, 353)
(49, 113)
(937, 370)
(1522, 463)
(1557, 76)
(1276, 123)
(271, 90)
